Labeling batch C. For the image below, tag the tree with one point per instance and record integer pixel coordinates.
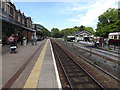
(68, 31)
(55, 33)
(90, 29)
(108, 22)
(45, 31)
(81, 28)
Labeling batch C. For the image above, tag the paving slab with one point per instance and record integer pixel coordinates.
(48, 77)
(12, 62)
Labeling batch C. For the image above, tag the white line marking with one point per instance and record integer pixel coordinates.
(56, 71)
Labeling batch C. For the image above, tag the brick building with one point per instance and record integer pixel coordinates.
(13, 21)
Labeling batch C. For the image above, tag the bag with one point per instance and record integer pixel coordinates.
(13, 47)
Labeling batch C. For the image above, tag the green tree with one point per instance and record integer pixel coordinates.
(68, 31)
(46, 32)
(81, 28)
(90, 29)
(108, 22)
(55, 33)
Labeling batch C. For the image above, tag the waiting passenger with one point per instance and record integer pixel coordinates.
(32, 39)
(13, 43)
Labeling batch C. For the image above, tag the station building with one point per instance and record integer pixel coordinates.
(14, 22)
(80, 36)
(38, 31)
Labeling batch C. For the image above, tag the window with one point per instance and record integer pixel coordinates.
(16, 16)
(3, 6)
(7, 8)
(115, 36)
(0, 5)
(11, 11)
(110, 37)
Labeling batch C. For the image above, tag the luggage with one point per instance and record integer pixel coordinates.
(13, 48)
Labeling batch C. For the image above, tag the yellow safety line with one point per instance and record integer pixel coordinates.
(34, 75)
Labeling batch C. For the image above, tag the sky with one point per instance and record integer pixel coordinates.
(64, 14)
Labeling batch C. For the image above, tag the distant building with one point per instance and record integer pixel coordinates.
(38, 31)
(80, 36)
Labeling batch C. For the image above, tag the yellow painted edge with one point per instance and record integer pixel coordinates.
(34, 75)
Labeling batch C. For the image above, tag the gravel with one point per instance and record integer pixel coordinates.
(103, 78)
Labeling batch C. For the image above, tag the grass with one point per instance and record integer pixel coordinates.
(96, 63)
(109, 48)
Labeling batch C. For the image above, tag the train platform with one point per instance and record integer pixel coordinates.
(40, 72)
(43, 74)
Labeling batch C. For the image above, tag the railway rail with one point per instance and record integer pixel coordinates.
(89, 61)
(77, 76)
(101, 53)
(100, 50)
(107, 53)
(116, 78)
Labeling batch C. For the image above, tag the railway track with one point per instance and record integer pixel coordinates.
(116, 78)
(107, 53)
(102, 54)
(103, 70)
(99, 51)
(76, 76)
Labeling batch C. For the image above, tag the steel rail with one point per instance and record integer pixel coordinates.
(102, 56)
(107, 58)
(102, 51)
(97, 66)
(64, 71)
(81, 68)
(107, 52)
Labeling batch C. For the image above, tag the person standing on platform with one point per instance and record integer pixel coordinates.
(35, 40)
(24, 40)
(13, 43)
(32, 39)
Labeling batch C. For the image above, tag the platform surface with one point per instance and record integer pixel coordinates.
(47, 76)
(43, 74)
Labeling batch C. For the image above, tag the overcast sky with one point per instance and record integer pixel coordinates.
(65, 13)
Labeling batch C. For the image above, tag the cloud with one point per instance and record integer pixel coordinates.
(41, 23)
(88, 15)
(49, 0)
(73, 20)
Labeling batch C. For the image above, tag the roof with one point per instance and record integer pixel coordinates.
(114, 33)
(76, 33)
(70, 36)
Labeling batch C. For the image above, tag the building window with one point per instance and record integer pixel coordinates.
(115, 36)
(3, 6)
(16, 17)
(110, 37)
(11, 11)
(0, 5)
(7, 8)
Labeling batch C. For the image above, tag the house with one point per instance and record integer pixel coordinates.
(80, 36)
